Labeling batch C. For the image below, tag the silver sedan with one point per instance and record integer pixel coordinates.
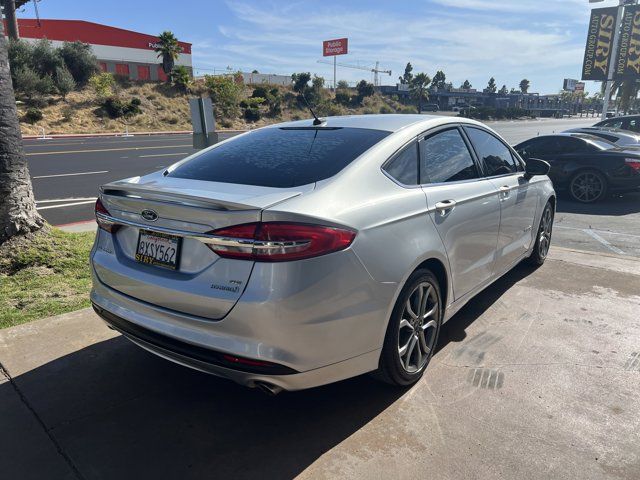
(308, 252)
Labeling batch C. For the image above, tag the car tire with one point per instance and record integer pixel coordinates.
(588, 186)
(413, 328)
(543, 237)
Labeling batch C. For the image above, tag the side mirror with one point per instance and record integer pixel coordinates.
(535, 166)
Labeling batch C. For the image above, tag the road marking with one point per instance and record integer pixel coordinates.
(593, 234)
(608, 232)
(70, 199)
(156, 147)
(72, 174)
(72, 204)
(163, 154)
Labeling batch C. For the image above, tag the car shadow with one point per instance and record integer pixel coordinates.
(614, 205)
(118, 411)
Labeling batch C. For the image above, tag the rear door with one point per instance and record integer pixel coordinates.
(518, 199)
(463, 206)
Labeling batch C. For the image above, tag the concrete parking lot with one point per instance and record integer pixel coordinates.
(538, 377)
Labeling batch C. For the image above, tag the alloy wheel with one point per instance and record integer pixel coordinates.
(587, 187)
(546, 225)
(418, 327)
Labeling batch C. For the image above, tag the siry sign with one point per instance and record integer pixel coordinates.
(597, 55)
(334, 47)
(628, 59)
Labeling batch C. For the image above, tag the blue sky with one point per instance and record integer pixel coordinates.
(542, 40)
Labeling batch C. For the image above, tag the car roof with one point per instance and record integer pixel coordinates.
(386, 122)
(621, 117)
(608, 131)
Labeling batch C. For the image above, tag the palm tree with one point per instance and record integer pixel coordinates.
(418, 87)
(168, 48)
(624, 91)
(18, 212)
(524, 85)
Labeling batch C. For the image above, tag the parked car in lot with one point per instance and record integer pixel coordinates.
(304, 253)
(622, 138)
(628, 122)
(586, 166)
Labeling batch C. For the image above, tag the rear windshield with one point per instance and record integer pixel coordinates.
(281, 157)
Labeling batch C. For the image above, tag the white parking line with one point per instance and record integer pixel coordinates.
(71, 199)
(593, 234)
(71, 174)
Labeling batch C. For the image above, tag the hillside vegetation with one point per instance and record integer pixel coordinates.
(163, 107)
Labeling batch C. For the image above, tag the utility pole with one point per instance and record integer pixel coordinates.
(9, 7)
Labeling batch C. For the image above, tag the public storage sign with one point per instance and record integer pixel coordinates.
(335, 47)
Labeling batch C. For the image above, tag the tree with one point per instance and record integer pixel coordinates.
(80, 60)
(466, 85)
(406, 78)
(343, 84)
(64, 82)
(439, 80)
(625, 91)
(181, 78)
(504, 90)
(317, 83)
(418, 88)
(225, 94)
(45, 59)
(491, 86)
(524, 85)
(18, 214)
(103, 84)
(168, 48)
(300, 81)
(364, 89)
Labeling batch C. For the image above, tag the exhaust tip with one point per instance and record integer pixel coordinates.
(268, 388)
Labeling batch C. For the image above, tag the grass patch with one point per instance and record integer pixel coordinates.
(42, 274)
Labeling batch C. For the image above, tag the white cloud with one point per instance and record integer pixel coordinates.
(473, 43)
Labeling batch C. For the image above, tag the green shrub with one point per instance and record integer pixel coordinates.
(409, 109)
(342, 84)
(225, 94)
(365, 89)
(29, 83)
(252, 114)
(80, 60)
(20, 53)
(181, 78)
(64, 81)
(33, 115)
(136, 101)
(102, 84)
(343, 97)
(45, 59)
(386, 109)
(117, 108)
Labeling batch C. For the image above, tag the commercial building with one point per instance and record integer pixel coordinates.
(119, 51)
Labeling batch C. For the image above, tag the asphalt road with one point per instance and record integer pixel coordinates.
(66, 175)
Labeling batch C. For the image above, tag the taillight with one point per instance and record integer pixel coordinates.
(634, 163)
(103, 223)
(278, 241)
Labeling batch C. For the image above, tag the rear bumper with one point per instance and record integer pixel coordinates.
(319, 325)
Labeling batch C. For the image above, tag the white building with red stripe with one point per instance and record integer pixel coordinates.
(118, 51)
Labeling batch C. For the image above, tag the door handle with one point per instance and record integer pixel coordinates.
(505, 191)
(445, 206)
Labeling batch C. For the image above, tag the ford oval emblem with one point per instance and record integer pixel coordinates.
(149, 215)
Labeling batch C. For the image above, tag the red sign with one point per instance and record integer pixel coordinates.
(334, 47)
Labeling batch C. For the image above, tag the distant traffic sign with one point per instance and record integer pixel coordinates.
(335, 47)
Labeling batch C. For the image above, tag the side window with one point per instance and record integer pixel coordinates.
(614, 123)
(535, 147)
(494, 155)
(404, 166)
(634, 125)
(444, 157)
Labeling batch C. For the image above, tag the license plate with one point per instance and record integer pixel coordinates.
(158, 249)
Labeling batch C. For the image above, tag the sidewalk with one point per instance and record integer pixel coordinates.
(539, 376)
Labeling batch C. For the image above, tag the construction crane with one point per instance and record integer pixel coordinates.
(376, 70)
